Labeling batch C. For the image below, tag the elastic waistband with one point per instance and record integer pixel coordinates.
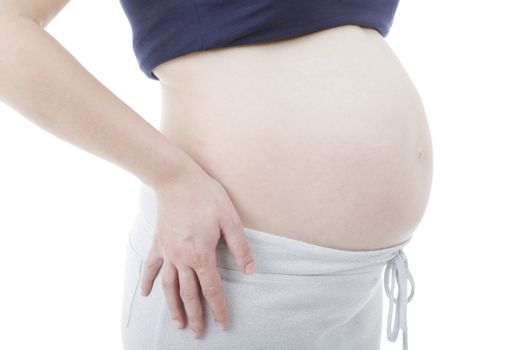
(278, 254)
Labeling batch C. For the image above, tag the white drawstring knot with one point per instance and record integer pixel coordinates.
(397, 271)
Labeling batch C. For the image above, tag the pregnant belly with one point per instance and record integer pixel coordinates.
(321, 137)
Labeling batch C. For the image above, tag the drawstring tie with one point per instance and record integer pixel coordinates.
(397, 270)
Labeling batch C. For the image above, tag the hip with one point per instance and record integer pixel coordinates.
(342, 290)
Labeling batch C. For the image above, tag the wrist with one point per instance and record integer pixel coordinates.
(174, 166)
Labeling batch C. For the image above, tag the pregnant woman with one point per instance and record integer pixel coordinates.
(292, 164)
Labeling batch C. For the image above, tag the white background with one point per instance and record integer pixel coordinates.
(65, 214)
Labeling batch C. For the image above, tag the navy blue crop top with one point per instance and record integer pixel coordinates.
(165, 29)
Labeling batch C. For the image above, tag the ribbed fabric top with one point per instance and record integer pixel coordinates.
(166, 29)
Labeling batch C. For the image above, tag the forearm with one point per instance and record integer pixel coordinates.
(42, 81)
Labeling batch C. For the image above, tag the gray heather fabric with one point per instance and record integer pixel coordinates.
(302, 297)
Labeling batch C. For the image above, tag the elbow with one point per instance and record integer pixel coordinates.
(12, 18)
(40, 12)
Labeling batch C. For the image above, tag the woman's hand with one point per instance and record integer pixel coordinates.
(192, 211)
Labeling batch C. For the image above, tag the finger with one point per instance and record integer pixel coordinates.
(170, 285)
(210, 283)
(235, 238)
(189, 292)
(152, 265)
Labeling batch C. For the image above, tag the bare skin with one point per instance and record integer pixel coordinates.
(321, 138)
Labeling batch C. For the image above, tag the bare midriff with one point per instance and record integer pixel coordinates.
(321, 137)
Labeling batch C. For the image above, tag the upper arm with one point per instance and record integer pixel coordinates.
(40, 11)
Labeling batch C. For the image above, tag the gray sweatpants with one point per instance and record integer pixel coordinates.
(302, 297)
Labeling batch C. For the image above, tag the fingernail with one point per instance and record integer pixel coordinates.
(180, 324)
(193, 334)
(250, 268)
(221, 326)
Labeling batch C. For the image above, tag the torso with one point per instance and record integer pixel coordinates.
(321, 138)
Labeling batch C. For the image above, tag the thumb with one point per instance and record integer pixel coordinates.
(152, 265)
(233, 233)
